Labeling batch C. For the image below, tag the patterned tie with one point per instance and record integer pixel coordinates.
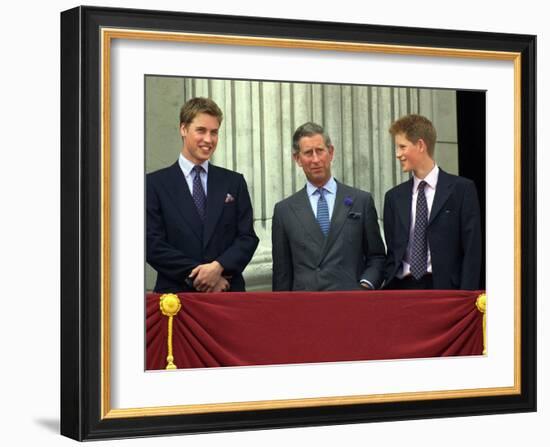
(322, 212)
(198, 192)
(419, 250)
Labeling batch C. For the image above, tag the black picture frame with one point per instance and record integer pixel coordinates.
(84, 329)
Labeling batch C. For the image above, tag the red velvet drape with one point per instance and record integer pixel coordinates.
(261, 328)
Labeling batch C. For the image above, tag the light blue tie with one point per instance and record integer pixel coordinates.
(322, 212)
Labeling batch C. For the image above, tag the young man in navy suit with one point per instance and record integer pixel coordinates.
(200, 233)
(431, 222)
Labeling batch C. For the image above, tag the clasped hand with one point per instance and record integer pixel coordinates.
(208, 278)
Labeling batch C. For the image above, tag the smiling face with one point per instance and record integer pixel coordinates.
(200, 138)
(411, 155)
(315, 158)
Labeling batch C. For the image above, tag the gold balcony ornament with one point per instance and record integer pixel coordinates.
(481, 304)
(170, 305)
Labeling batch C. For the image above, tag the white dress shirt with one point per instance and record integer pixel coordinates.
(330, 196)
(429, 191)
(187, 166)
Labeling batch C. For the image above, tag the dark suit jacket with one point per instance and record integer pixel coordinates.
(454, 231)
(304, 259)
(177, 239)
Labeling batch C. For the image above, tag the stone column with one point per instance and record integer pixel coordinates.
(256, 138)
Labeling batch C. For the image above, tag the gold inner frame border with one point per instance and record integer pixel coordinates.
(107, 36)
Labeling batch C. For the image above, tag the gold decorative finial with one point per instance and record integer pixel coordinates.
(170, 305)
(481, 304)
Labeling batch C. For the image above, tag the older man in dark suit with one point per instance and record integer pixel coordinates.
(431, 222)
(325, 236)
(200, 234)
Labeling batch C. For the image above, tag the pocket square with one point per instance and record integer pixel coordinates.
(229, 198)
(354, 215)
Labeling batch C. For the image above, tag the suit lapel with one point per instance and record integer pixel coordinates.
(215, 199)
(183, 201)
(404, 203)
(301, 207)
(339, 216)
(442, 193)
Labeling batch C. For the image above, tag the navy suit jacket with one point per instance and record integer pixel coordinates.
(454, 231)
(178, 240)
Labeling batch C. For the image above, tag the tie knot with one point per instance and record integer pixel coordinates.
(421, 185)
(197, 169)
(321, 191)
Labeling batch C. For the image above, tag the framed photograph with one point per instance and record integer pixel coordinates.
(112, 59)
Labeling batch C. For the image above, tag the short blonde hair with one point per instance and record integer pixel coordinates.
(198, 105)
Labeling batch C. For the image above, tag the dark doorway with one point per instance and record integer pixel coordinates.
(471, 131)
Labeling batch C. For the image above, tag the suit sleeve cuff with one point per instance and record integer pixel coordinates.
(367, 283)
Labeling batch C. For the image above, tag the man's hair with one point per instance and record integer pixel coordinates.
(415, 127)
(308, 130)
(198, 105)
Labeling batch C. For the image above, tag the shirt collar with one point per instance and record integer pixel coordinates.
(186, 165)
(329, 186)
(430, 179)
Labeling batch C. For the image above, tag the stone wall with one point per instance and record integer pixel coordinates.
(255, 138)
